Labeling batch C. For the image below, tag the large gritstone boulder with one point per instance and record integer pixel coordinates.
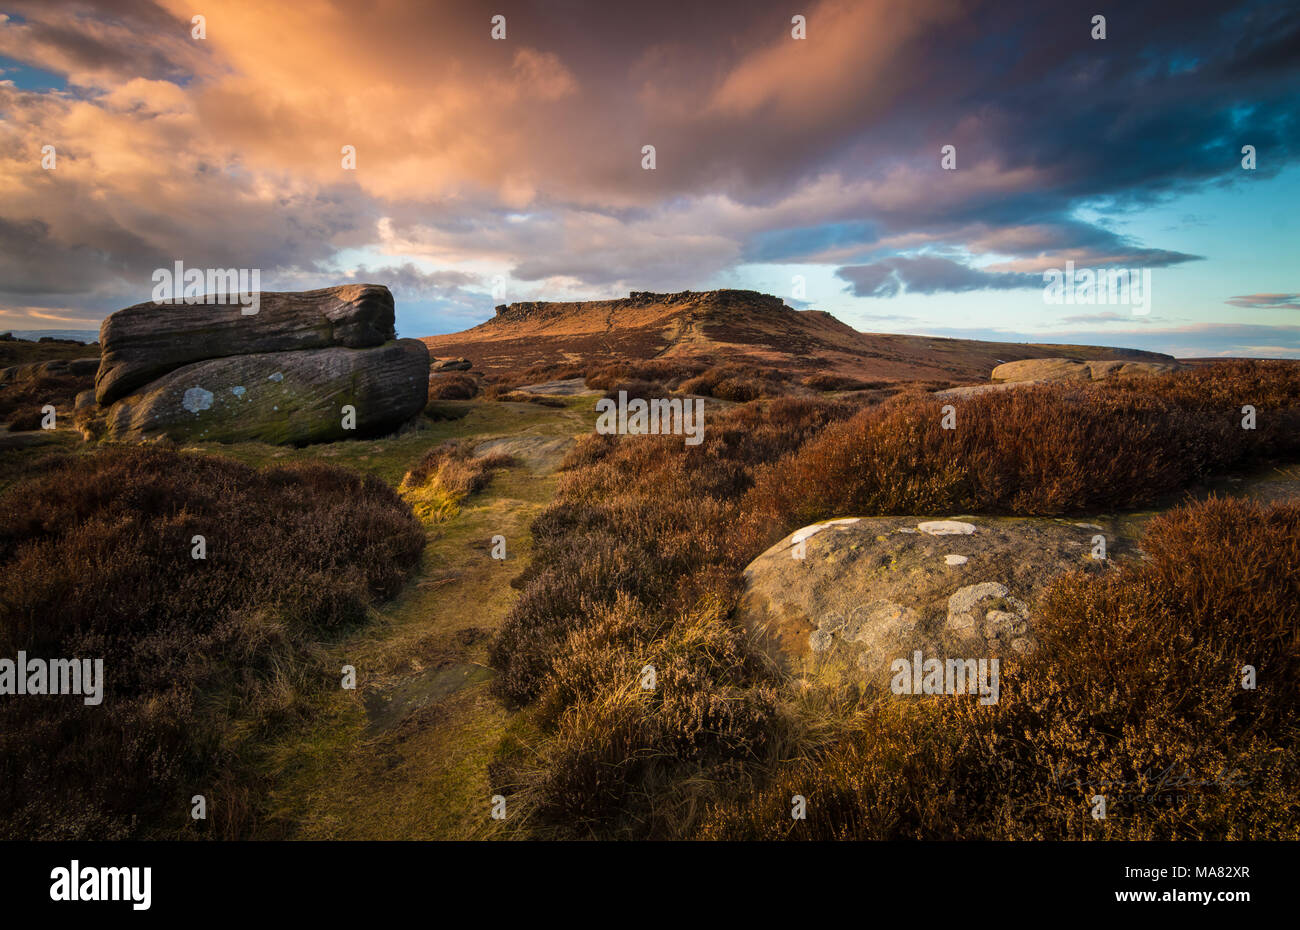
(305, 367)
(147, 341)
(280, 397)
(1070, 369)
(839, 602)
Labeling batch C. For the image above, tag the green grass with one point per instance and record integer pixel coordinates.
(391, 457)
(426, 777)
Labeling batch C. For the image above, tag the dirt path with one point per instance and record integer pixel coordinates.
(405, 755)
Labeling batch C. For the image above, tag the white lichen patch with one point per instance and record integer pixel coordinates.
(820, 640)
(863, 624)
(946, 528)
(196, 399)
(962, 603)
(278, 376)
(955, 560)
(808, 532)
(1007, 625)
(238, 390)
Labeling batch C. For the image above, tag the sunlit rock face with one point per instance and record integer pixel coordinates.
(303, 367)
(838, 602)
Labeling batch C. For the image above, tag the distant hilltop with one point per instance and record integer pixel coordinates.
(79, 336)
(718, 300)
(725, 325)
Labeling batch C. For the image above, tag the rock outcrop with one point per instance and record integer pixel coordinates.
(451, 364)
(75, 367)
(279, 397)
(1069, 369)
(149, 340)
(308, 367)
(746, 327)
(868, 591)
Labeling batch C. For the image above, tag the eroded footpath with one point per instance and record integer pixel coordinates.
(405, 755)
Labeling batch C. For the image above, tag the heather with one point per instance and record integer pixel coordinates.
(638, 564)
(1039, 449)
(1136, 695)
(204, 658)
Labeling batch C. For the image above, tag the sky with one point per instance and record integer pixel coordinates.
(491, 169)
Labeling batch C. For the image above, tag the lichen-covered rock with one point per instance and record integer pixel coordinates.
(1120, 369)
(974, 390)
(838, 602)
(1070, 369)
(1043, 369)
(278, 397)
(145, 342)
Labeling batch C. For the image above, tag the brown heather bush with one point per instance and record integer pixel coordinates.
(614, 744)
(455, 385)
(536, 374)
(21, 401)
(203, 659)
(740, 390)
(1136, 693)
(643, 389)
(637, 563)
(667, 371)
(639, 560)
(739, 382)
(25, 419)
(824, 381)
(1042, 449)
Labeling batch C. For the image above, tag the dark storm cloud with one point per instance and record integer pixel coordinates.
(527, 153)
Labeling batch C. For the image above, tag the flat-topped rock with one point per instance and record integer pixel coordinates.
(569, 387)
(1071, 369)
(451, 364)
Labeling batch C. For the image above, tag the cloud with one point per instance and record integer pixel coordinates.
(28, 318)
(928, 274)
(1266, 301)
(1106, 316)
(525, 155)
(1193, 340)
(409, 279)
(99, 45)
